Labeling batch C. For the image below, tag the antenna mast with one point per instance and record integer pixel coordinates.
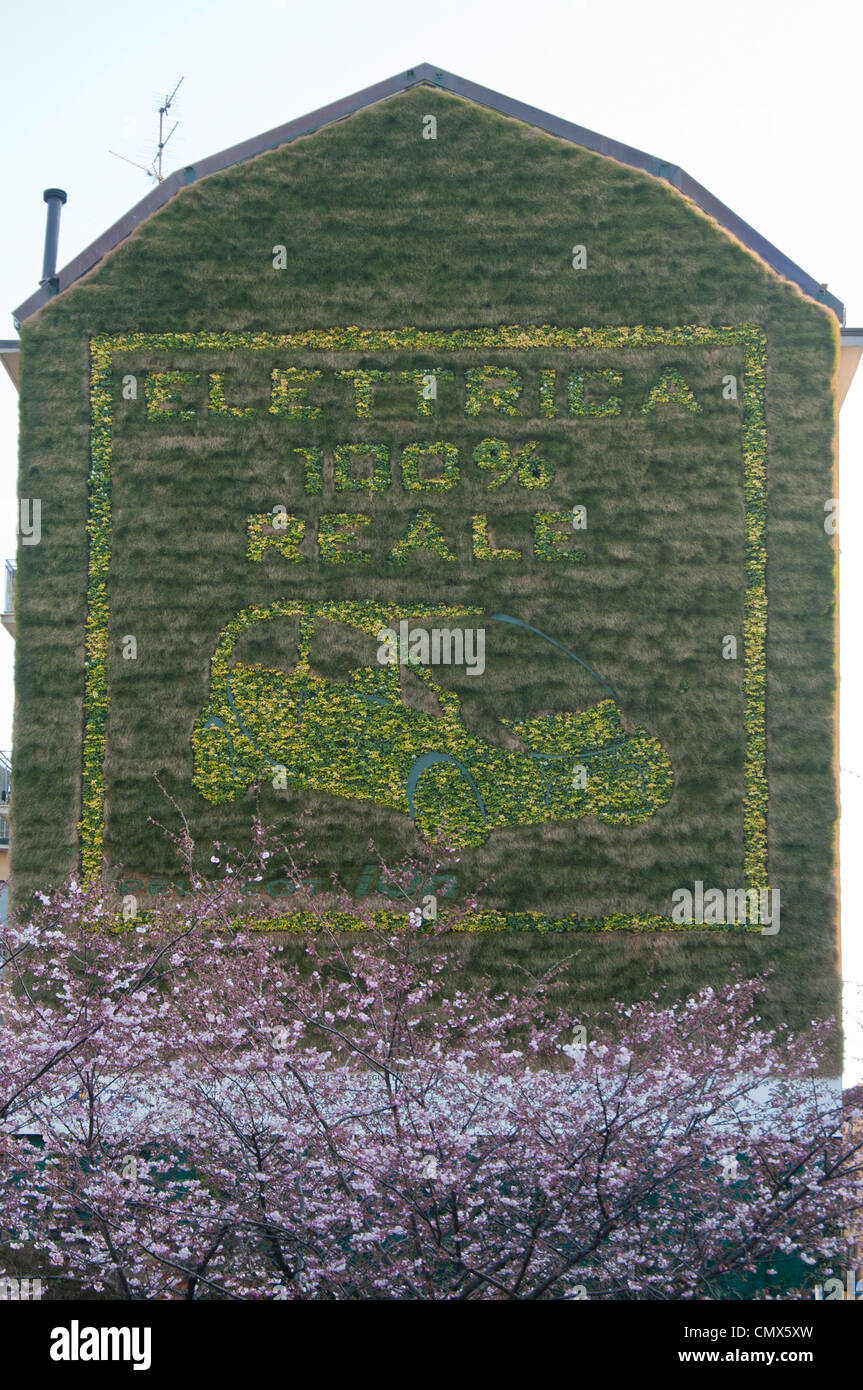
(163, 111)
(154, 170)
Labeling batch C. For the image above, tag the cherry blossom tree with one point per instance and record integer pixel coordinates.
(190, 1109)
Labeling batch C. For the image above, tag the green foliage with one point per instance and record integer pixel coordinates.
(671, 389)
(698, 526)
(358, 739)
(580, 405)
(411, 478)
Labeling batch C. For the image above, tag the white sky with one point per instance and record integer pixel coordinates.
(759, 105)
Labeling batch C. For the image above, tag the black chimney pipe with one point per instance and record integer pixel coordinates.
(55, 198)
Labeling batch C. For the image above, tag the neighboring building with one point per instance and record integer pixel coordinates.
(431, 355)
(5, 809)
(853, 1103)
(7, 617)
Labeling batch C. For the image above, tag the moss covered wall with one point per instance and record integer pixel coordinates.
(384, 229)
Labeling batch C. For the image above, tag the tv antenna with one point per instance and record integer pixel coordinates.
(154, 170)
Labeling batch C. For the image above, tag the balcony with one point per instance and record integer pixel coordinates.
(7, 617)
(5, 798)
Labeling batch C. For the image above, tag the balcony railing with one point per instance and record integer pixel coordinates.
(5, 797)
(8, 615)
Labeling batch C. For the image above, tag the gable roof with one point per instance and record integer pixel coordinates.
(429, 75)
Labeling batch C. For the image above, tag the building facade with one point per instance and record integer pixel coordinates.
(433, 362)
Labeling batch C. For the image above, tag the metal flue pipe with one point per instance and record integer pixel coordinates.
(55, 198)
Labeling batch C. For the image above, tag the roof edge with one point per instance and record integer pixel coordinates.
(9, 349)
(428, 74)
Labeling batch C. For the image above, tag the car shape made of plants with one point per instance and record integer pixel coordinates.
(359, 739)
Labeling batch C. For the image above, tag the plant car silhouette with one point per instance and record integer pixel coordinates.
(358, 738)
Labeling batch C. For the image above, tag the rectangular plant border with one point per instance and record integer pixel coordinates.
(750, 337)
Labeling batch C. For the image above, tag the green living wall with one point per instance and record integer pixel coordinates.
(663, 380)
